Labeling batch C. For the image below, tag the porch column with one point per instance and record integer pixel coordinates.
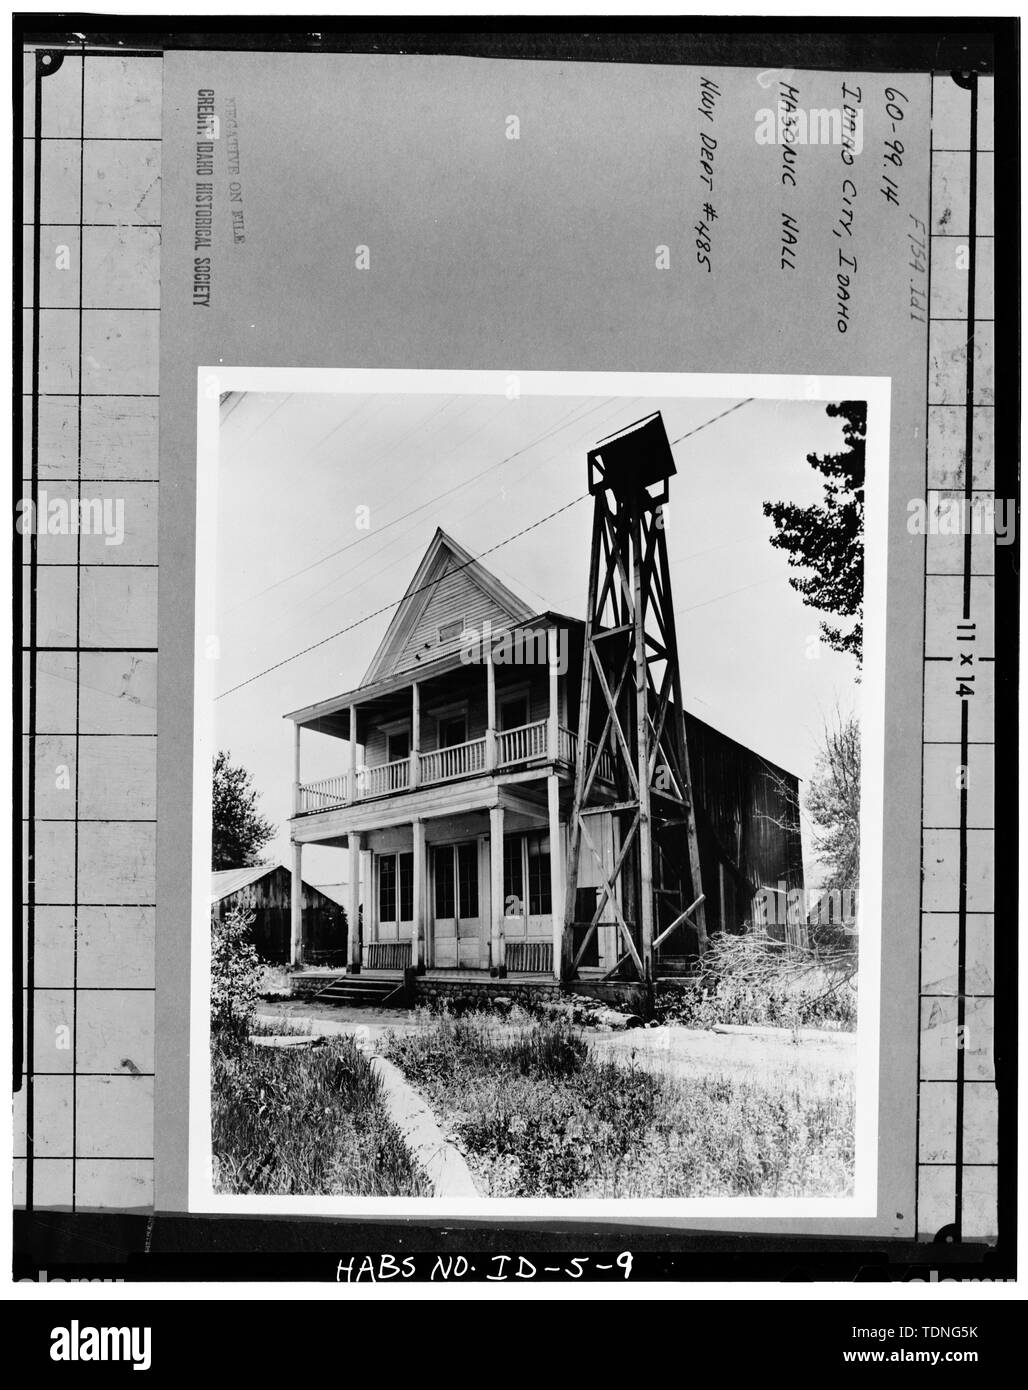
(496, 943)
(553, 725)
(296, 908)
(353, 910)
(418, 933)
(296, 769)
(556, 870)
(368, 895)
(490, 706)
(415, 734)
(352, 788)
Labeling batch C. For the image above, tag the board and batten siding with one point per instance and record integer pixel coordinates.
(268, 898)
(751, 807)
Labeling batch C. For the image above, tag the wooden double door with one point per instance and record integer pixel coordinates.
(460, 912)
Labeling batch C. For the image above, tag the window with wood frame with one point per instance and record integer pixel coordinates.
(398, 745)
(537, 847)
(513, 875)
(396, 887)
(512, 711)
(453, 730)
(526, 857)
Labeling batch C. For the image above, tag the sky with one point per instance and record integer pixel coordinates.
(299, 474)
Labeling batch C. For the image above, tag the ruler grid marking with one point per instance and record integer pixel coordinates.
(68, 1141)
(78, 671)
(956, 1077)
(29, 1003)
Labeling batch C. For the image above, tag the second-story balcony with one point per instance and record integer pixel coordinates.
(504, 751)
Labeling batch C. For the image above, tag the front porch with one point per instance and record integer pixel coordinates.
(459, 989)
(451, 793)
(305, 983)
(470, 884)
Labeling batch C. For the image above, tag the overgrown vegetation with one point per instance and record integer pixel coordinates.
(237, 971)
(754, 979)
(537, 1115)
(304, 1121)
(292, 1121)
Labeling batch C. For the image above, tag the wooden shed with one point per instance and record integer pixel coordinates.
(264, 889)
(748, 813)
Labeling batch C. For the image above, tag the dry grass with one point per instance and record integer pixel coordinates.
(753, 979)
(537, 1114)
(304, 1121)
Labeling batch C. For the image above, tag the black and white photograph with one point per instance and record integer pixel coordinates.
(535, 784)
(516, 594)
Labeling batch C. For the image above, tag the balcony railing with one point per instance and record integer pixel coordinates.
(383, 779)
(521, 745)
(569, 754)
(323, 795)
(514, 747)
(446, 764)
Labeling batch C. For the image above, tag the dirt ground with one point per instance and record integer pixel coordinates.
(770, 1056)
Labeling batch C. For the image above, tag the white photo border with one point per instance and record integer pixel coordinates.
(212, 383)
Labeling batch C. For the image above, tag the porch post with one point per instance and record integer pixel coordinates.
(353, 911)
(368, 895)
(418, 933)
(490, 706)
(415, 734)
(553, 726)
(296, 908)
(296, 769)
(352, 789)
(496, 943)
(556, 870)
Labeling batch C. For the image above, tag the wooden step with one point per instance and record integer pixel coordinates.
(356, 991)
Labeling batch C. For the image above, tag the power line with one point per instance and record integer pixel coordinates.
(396, 602)
(261, 423)
(689, 433)
(728, 594)
(561, 424)
(358, 622)
(437, 497)
(406, 556)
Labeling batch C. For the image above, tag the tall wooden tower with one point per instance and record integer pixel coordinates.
(632, 693)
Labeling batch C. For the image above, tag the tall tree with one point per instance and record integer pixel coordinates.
(833, 800)
(827, 539)
(240, 832)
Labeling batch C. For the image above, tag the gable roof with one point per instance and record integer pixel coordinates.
(225, 882)
(448, 582)
(337, 892)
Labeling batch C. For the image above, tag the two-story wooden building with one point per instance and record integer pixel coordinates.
(457, 780)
